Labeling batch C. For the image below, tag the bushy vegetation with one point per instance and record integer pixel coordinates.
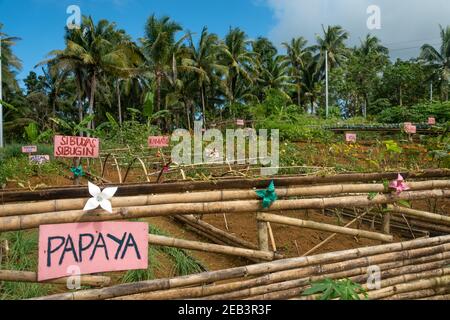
(418, 113)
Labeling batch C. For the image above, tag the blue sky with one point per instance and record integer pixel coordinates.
(405, 24)
(40, 23)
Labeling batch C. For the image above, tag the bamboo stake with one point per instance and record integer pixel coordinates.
(211, 196)
(207, 247)
(324, 227)
(15, 223)
(272, 238)
(263, 234)
(25, 276)
(238, 272)
(421, 215)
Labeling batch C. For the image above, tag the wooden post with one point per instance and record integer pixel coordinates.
(263, 234)
(386, 227)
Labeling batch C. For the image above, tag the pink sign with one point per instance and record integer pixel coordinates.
(431, 121)
(240, 122)
(92, 247)
(39, 159)
(411, 129)
(158, 142)
(76, 147)
(29, 149)
(350, 137)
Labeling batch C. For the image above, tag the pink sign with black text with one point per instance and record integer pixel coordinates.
(92, 247)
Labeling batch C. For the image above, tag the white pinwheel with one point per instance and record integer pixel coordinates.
(100, 198)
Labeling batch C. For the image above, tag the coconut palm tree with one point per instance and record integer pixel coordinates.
(158, 48)
(439, 61)
(203, 63)
(333, 42)
(10, 63)
(97, 49)
(297, 56)
(239, 61)
(371, 44)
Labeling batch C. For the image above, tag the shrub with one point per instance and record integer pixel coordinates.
(418, 113)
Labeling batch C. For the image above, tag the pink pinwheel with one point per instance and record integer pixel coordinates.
(399, 185)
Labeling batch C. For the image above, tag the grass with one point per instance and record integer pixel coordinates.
(183, 262)
(22, 257)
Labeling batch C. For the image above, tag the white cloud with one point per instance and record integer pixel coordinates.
(404, 23)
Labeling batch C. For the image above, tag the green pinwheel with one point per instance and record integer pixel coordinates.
(77, 171)
(269, 195)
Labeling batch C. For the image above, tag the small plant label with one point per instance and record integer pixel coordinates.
(29, 149)
(411, 129)
(350, 137)
(240, 122)
(93, 247)
(39, 159)
(432, 121)
(158, 142)
(76, 147)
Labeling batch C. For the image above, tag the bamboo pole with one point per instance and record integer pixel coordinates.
(210, 196)
(263, 234)
(237, 242)
(421, 215)
(238, 272)
(426, 294)
(324, 227)
(208, 247)
(302, 277)
(15, 223)
(26, 276)
(335, 270)
(409, 287)
(331, 237)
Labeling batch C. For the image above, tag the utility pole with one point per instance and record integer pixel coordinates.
(326, 83)
(1, 96)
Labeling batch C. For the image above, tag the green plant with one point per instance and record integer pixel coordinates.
(336, 289)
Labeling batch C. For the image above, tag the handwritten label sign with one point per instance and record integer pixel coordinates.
(29, 149)
(350, 137)
(92, 247)
(158, 142)
(240, 122)
(76, 147)
(39, 159)
(432, 121)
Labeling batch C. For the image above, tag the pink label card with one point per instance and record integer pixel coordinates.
(92, 248)
(350, 137)
(240, 122)
(76, 147)
(158, 142)
(411, 129)
(29, 149)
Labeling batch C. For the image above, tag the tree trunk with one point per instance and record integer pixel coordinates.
(401, 96)
(299, 96)
(92, 98)
(203, 105)
(119, 104)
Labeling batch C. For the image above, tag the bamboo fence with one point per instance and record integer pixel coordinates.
(406, 268)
